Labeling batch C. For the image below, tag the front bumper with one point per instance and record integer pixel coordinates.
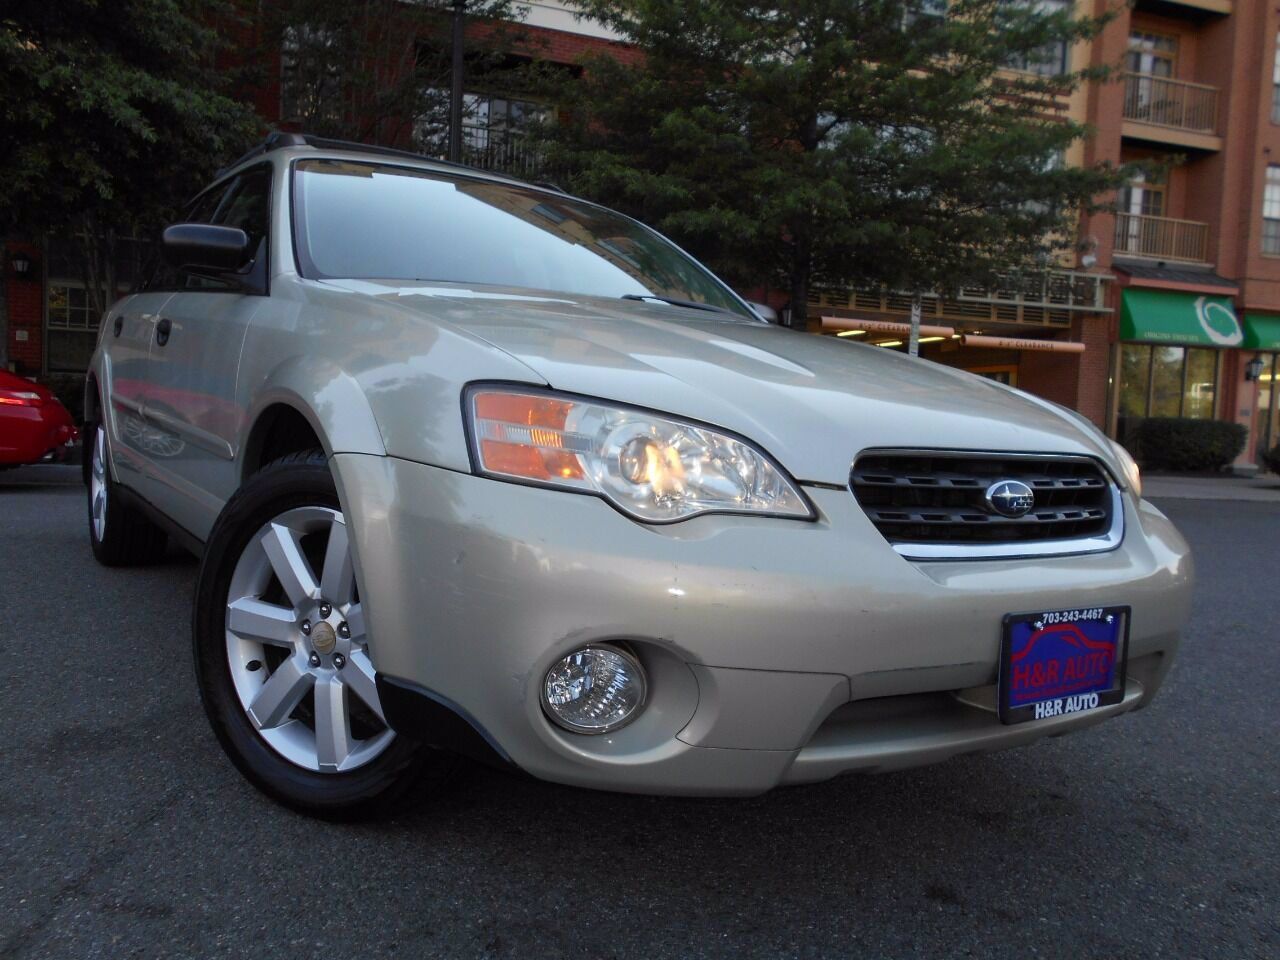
(778, 651)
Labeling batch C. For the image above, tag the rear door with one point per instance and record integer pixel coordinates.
(193, 362)
(126, 340)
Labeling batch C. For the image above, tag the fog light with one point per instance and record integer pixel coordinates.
(594, 690)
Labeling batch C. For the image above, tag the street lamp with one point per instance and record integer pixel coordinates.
(1253, 369)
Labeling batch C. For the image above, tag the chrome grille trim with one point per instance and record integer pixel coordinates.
(1083, 512)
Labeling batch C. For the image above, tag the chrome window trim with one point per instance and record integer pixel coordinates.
(1017, 550)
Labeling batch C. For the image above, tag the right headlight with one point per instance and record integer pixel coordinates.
(1129, 466)
(657, 469)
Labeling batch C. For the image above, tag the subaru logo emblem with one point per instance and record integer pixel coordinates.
(1010, 498)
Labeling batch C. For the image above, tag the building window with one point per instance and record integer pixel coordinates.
(1050, 60)
(1271, 211)
(72, 327)
(1140, 199)
(924, 12)
(310, 86)
(1166, 381)
(1275, 84)
(1152, 54)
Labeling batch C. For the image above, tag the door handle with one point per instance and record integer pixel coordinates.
(117, 325)
(162, 331)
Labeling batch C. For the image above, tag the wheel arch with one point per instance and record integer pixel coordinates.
(305, 404)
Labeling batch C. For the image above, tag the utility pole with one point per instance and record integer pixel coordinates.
(455, 92)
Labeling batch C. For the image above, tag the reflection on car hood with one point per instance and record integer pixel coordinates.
(813, 402)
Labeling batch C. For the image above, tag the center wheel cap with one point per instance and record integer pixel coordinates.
(323, 639)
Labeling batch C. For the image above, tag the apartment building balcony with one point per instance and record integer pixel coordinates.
(1161, 238)
(1174, 112)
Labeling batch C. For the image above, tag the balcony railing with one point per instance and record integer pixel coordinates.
(506, 150)
(1162, 238)
(1171, 103)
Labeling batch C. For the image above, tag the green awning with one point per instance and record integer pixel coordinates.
(1163, 316)
(1262, 331)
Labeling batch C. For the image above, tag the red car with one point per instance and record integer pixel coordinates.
(34, 426)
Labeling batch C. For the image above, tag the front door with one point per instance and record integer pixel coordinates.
(193, 363)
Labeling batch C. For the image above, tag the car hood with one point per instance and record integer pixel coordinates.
(812, 402)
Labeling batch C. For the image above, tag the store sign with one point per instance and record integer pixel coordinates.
(1018, 343)
(884, 326)
(1163, 316)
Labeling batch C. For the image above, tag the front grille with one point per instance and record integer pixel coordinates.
(930, 497)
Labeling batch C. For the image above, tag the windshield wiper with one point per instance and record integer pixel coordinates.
(691, 304)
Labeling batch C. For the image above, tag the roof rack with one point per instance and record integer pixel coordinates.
(278, 140)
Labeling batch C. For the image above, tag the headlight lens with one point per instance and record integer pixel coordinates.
(654, 468)
(1132, 475)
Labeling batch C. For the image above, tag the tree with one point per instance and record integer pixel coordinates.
(863, 142)
(378, 71)
(112, 114)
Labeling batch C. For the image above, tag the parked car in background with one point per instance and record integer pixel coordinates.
(477, 465)
(34, 426)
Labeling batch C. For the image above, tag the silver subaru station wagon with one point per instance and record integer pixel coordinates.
(478, 468)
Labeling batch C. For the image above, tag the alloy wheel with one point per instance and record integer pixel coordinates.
(98, 484)
(296, 644)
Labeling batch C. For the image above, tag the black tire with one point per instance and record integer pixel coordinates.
(383, 785)
(127, 538)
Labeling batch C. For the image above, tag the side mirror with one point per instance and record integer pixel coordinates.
(764, 311)
(203, 247)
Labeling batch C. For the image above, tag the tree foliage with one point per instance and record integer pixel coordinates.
(379, 71)
(112, 114)
(842, 142)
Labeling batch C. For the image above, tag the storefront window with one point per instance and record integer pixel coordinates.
(1164, 381)
(1266, 428)
(1201, 384)
(1135, 379)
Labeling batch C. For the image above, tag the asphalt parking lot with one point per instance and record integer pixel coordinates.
(127, 834)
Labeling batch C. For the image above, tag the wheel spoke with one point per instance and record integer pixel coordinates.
(337, 581)
(284, 549)
(333, 724)
(358, 676)
(355, 622)
(280, 694)
(251, 617)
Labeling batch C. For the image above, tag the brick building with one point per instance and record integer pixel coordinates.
(1176, 296)
(1171, 307)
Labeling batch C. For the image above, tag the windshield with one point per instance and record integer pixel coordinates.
(377, 222)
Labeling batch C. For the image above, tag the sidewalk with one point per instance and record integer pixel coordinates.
(1256, 489)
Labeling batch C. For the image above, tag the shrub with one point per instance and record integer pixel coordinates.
(1272, 459)
(1176, 443)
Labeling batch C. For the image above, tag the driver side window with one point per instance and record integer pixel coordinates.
(245, 202)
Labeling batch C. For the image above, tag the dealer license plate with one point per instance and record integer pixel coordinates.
(1059, 662)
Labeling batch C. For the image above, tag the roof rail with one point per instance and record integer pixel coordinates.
(275, 140)
(278, 140)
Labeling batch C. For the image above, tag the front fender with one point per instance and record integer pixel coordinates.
(330, 399)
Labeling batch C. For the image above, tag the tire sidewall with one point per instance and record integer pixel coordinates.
(293, 482)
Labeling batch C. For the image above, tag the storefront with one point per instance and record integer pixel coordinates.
(1262, 335)
(1170, 359)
